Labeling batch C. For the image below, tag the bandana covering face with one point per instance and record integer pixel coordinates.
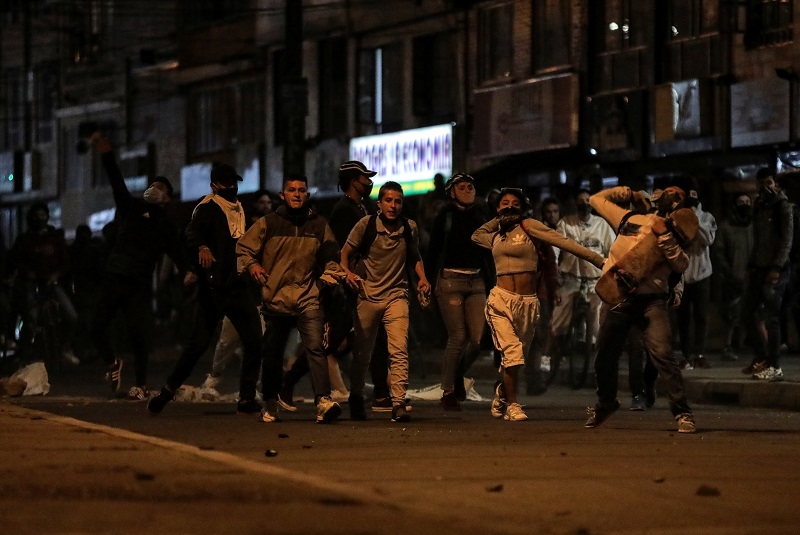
(509, 217)
(233, 213)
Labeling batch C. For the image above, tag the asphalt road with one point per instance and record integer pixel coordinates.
(442, 472)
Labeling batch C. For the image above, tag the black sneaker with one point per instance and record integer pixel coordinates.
(114, 375)
(459, 391)
(638, 403)
(400, 414)
(157, 404)
(599, 414)
(449, 402)
(650, 395)
(356, 404)
(248, 406)
(381, 405)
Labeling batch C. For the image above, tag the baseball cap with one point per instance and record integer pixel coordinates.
(224, 174)
(356, 166)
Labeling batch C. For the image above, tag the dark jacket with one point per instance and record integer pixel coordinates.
(144, 231)
(209, 227)
(772, 232)
(451, 244)
(39, 256)
(344, 216)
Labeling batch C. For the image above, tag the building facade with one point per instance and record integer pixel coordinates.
(545, 94)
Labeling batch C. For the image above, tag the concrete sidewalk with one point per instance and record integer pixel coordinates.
(723, 384)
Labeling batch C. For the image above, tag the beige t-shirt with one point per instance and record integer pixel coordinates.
(385, 262)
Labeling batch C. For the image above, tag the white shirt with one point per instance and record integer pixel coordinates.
(594, 234)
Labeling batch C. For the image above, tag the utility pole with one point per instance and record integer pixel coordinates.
(28, 73)
(294, 93)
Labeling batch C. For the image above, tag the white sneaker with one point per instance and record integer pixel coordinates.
(771, 374)
(514, 413)
(327, 410)
(70, 358)
(545, 366)
(211, 382)
(270, 414)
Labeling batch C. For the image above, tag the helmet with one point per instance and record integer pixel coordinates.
(456, 178)
(517, 192)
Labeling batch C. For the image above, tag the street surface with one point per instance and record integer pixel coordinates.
(199, 468)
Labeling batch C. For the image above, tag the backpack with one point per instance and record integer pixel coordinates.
(356, 263)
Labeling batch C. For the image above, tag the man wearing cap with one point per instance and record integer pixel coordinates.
(463, 271)
(693, 310)
(355, 180)
(646, 303)
(144, 234)
(218, 221)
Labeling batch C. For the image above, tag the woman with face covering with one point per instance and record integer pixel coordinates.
(462, 271)
(512, 308)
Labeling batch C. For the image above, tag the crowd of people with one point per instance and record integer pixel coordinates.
(352, 283)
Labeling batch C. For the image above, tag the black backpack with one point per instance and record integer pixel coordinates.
(356, 263)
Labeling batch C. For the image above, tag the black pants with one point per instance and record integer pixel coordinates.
(131, 297)
(238, 305)
(693, 312)
(762, 304)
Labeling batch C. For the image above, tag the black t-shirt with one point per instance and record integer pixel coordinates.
(346, 213)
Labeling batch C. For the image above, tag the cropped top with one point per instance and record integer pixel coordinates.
(516, 253)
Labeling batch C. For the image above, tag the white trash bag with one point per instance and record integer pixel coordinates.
(35, 377)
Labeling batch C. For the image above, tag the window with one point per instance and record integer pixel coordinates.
(367, 76)
(279, 111)
(381, 89)
(91, 32)
(621, 36)
(226, 115)
(768, 22)
(45, 98)
(692, 47)
(251, 111)
(332, 87)
(551, 34)
(435, 91)
(198, 13)
(15, 109)
(495, 42)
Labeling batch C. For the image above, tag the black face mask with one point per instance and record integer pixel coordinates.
(509, 217)
(584, 209)
(744, 212)
(229, 194)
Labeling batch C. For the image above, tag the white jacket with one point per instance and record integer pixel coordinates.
(699, 250)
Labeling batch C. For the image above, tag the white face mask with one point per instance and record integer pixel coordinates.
(154, 196)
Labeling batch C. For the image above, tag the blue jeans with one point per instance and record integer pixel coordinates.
(311, 326)
(462, 300)
(649, 312)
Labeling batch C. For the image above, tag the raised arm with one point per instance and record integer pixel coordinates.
(537, 229)
(484, 236)
(609, 204)
(122, 197)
